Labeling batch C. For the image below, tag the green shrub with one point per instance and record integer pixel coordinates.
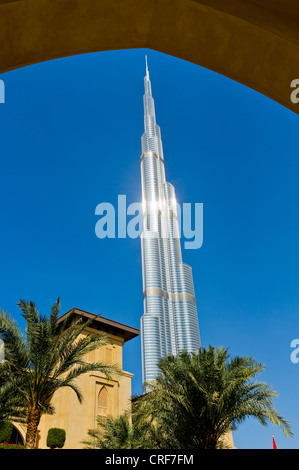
(55, 438)
(5, 445)
(6, 429)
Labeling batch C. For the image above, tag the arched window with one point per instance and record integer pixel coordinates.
(103, 402)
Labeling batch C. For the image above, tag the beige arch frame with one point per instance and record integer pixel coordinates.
(254, 42)
(21, 428)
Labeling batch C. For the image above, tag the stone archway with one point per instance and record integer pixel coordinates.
(20, 429)
(255, 42)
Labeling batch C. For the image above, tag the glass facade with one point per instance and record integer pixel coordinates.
(169, 323)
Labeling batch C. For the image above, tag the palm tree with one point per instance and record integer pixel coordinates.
(198, 398)
(121, 433)
(50, 355)
(10, 403)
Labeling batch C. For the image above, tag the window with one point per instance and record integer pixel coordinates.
(103, 402)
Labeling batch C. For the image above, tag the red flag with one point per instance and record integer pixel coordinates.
(274, 443)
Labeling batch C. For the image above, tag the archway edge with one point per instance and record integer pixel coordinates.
(21, 428)
(252, 42)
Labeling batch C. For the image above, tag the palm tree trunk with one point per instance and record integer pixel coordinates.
(33, 419)
(211, 442)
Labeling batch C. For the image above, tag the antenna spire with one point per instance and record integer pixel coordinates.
(147, 73)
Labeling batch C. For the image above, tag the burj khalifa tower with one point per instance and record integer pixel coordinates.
(169, 323)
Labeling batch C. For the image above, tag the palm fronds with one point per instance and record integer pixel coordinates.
(48, 356)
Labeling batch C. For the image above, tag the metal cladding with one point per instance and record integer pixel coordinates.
(169, 323)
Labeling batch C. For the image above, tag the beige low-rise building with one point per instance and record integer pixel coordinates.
(101, 397)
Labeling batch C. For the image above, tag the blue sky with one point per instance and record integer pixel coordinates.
(70, 139)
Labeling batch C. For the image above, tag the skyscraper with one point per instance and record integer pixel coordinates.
(169, 323)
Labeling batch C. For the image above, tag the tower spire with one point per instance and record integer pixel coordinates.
(169, 323)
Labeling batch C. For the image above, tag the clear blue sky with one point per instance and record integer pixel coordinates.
(70, 139)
